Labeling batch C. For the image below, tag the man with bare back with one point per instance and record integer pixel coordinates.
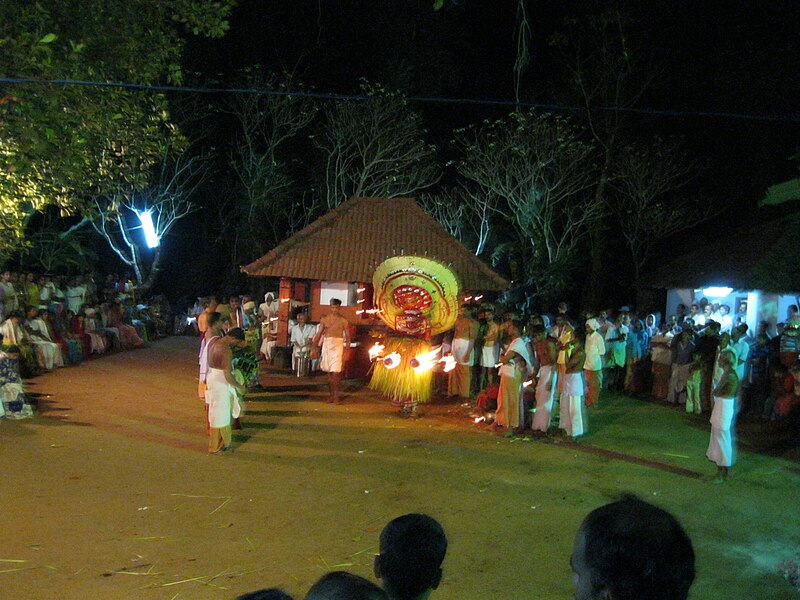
(333, 332)
(223, 389)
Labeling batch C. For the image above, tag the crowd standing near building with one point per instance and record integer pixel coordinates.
(700, 360)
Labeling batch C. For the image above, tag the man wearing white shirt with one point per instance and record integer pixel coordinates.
(593, 365)
(302, 334)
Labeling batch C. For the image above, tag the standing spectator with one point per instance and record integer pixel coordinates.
(465, 334)
(681, 350)
(546, 353)
(513, 370)
(721, 446)
(593, 366)
(490, 352)
(76, 295)
(573, 415)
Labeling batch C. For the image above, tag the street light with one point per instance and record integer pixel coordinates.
(150, 235)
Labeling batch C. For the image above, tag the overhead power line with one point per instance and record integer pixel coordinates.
(795, 118)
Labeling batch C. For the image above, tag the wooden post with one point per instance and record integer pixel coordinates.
(284, 306)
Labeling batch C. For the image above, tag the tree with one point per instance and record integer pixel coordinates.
(166, 201)
(66, 145)
(606, 72)
(647, 206)
(263, 209)
(374, 147)
(536, 171)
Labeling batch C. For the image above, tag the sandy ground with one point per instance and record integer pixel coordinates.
(109, 492)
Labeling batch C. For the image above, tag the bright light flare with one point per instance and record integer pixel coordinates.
(449, 363)
(425, 362)
(717, 292)
(479, 419)
(528, 383)
(150, 235)
(376, 351)
(285, 300)
(391, 361)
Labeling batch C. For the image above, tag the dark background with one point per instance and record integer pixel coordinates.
(720, 57)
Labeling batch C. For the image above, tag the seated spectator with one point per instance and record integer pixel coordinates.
(266, 594)
(13, 404)
(632, 550)
(412, 548)
(48, 352)
(128, 336)
(340, 585)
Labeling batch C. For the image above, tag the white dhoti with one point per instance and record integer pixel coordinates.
(220, 397)
(572, 415)
(332, 355)
(490, 355)
(720, 446)
(459, 348)
(266, 348)
(545, 395)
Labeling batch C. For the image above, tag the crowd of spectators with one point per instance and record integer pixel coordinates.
(569, 358)
(51, 322)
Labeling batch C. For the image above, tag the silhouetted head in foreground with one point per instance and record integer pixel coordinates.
(340, 585)
(412, 548)
(632, 550)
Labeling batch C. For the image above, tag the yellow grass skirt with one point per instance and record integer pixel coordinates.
(403, 384)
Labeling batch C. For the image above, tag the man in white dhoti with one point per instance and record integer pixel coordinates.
(720, 446)
(222, 390)
(332, 333)
(572, 414)
(465, 333)
(490, 352)
(546, 352)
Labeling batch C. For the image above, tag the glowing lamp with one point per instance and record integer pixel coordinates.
(150, 235)
(717, 292)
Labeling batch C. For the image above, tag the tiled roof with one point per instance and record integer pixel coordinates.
(347, 243)
(763, 256)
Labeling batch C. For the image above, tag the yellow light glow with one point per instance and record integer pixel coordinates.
(376, 351)
(391, 361)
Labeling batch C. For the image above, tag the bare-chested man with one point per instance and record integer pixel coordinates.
(333, 332)
(546, 351)
(222, 389)
(465, 332)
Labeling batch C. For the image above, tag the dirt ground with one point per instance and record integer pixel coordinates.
(109, 493)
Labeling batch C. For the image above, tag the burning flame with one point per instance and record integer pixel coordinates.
(285, 299)
(392, 360)
(449, 363)
(527, 383)
(479, 419)
(425, 362)
(376, 351)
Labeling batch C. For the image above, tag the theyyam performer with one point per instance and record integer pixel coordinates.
(417, 297)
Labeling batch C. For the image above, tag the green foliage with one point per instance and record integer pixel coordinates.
(65, 145)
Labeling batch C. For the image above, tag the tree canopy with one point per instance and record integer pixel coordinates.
(70, 145)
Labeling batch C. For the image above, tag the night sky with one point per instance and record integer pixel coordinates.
(740, 57)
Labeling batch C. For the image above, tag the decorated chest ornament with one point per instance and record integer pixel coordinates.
(417, 297)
